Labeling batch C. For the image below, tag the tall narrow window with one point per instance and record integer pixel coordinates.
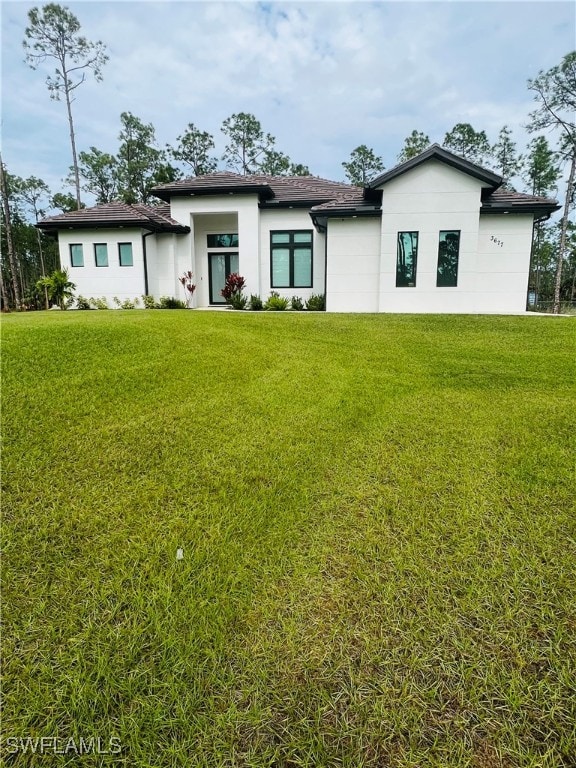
(76, 255)
(101, 254)
(291, 259)
(125, 254)
(448, 254)
(406, 258)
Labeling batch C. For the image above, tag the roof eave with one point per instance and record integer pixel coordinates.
(54, 226)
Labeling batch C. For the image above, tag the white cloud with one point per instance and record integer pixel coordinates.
(322, 77)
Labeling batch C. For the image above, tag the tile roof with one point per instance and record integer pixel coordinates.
(157, 218)
(273, 190)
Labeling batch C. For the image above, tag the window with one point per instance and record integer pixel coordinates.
(223, 241)
(101, 254)
(406, 258)
(125, 254)
(76, 255)
(448, 253)
(291, 259)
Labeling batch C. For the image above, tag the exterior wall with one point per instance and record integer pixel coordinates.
(353, 265)
(213, 223)
(502, 270)
(291, 218)
(427, 199)
(192, 211)
(110, 281)
(168, 256)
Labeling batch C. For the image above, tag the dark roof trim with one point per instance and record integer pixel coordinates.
(179, 229)
(536, 209)
(436, 152)
(165, 193)
(274, 205)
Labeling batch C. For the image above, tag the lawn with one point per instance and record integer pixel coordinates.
(377, 522)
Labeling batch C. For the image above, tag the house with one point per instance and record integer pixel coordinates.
(434, 234)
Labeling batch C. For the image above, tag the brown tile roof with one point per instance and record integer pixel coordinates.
(272, 190)
(155, 218)
(504, 200)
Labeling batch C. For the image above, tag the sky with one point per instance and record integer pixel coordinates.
(322, 77)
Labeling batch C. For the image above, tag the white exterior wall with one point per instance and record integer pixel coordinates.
(282, 219)
(502, 270)
(428, 199)
(191, 211)
(353, 265)
(215, 223)
(110, 281)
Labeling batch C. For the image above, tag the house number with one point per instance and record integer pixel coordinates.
(495, 240)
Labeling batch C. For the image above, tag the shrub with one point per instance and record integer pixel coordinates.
(149, 302)
(255, 303)
(83, 303)
(276, 303)
(232, 291)
(189, 287)
(238, 301)
(296, 303)
(316, 303)
(168, 302)
(99, 303)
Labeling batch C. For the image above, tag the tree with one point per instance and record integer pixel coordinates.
(275, 163)
(64, 202)
(298, 169)
(541, 174)
(362, 166)
(508, 163)
(247, 143)
(414, 144)
(541, 170)
(59, 287)
(99, 171)
(32, 191)
(473, 145)
(141, 165)
(9, 233)
(54, 34)
(193, 149)
(555, 94)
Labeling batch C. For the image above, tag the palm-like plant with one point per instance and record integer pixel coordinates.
(58, 286)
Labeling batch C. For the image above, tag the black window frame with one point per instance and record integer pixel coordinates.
(76, 245)
(120, 254)
(407, 284)
(232, 245)
(103, 266)
(291, 246)
(438, 275)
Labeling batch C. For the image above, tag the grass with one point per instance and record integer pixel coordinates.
(377, 519)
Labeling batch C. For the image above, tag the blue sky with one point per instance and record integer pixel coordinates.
(322, 77)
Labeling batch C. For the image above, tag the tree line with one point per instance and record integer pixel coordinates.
(53, 35)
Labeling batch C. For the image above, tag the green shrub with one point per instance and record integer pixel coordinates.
(149, 302)
(276, 303)
(168, 302)
(83, 303)
(99, 303)
(296, 303)
(255, 303)
(238, 301)
(316, 303)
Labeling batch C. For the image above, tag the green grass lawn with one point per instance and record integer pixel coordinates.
(377, 519)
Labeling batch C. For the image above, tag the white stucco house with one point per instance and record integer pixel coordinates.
(434, 234)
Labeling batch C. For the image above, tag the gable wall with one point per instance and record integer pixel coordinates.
(427, 199)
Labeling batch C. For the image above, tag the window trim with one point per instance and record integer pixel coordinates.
(120, 254)
(408, 232)
(76, 245)
(291, 246)
(459, 231)
(96, 258)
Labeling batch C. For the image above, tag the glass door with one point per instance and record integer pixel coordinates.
(220, 266)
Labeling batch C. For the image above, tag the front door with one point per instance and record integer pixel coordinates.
(220, 265)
